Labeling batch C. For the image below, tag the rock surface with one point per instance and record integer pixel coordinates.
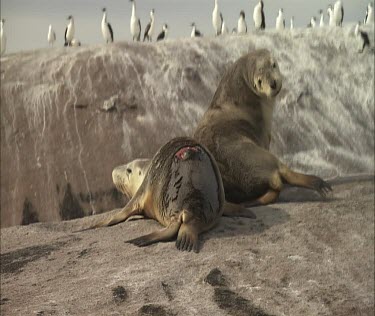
(70, 115)
(301, 256)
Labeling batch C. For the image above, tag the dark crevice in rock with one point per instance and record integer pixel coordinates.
(112, 193)
(29, 214)
(83, 253)
(70, 207)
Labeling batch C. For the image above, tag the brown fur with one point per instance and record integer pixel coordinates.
(236, 128)
(184, 195)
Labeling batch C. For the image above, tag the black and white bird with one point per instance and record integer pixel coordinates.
(369, 14)
(69, 32)
(216, 19)
(280, 21)
(241, 24)
(195, 32)
(312, 23)
(149, 31)
(3, 38)
(338, 13)
(163, 34)
(363, 37)
(330, 16)
(106, 28)
(258, 16)
(135, 24)
(321, 22)
(224, 29)
(51, 37)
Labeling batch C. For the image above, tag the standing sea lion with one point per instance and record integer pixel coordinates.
(182, 189)
(236, 129)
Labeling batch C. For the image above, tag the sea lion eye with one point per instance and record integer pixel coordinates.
(140, 172)
(274, 65)
(129, 170)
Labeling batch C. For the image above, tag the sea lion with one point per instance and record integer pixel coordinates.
(129, 177)
(236, 129)
(182, 189)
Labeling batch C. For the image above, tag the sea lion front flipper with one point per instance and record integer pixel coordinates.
(118, 215)
(236, 210)
(162, 235)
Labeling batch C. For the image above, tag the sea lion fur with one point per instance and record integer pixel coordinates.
(236, 129)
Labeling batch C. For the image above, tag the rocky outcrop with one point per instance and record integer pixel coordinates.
(302, 257)
(70, 115)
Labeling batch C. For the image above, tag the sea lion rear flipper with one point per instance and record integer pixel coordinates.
(187, 239)
(162, 235)
(236, 210)
(305, 180)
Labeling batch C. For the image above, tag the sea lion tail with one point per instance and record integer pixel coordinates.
(304, 180)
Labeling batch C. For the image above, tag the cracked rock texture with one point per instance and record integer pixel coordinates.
(301, 256)
(70, 115)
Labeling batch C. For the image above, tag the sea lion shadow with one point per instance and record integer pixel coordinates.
(267, 217)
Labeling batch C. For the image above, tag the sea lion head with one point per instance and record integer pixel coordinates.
(264, 75)
(128, 178)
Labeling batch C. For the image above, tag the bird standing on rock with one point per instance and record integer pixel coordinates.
(51, 37)
(149, 32)
(195, 32)
(135, 24)
(258, 16)
(106, 28)
(3, 38)
(69, 32)
(163, 34)
(241, 24)
(280, 21)
(216, 19)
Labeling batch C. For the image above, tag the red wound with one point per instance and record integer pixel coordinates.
(181, 154)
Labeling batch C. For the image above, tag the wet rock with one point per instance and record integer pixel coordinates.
(119, 294)
(216, 278)
(155, 310)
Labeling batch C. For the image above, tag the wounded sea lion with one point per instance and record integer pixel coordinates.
(236, 129)
(129, 177)
(182, 189)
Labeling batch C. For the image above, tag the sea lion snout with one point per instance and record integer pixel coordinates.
(120, 178)
(266, 76)
(268, 84)
(275, 86)
(129, 177)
